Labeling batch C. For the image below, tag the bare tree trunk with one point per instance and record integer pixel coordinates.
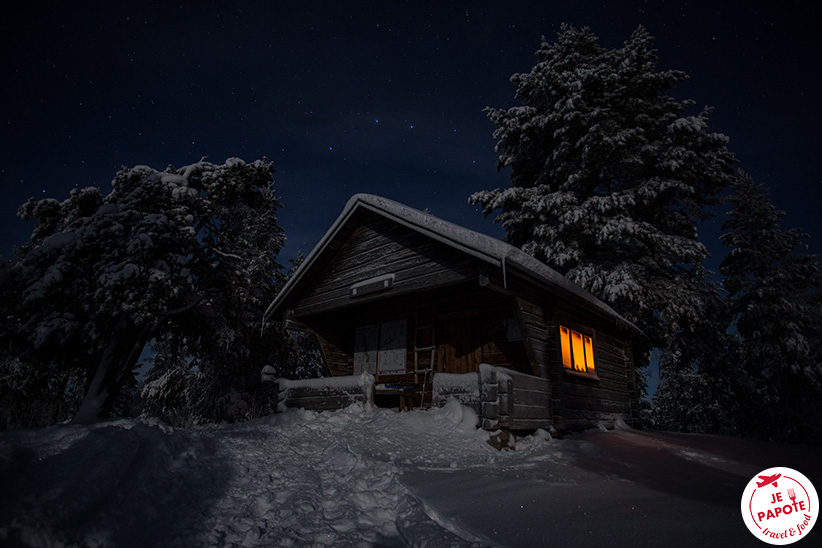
(116, 363)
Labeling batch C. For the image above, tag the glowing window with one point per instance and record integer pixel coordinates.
(577, 351)
(566, 347)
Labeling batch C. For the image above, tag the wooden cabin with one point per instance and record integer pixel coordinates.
(406, 296)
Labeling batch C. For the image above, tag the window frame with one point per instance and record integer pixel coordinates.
(569, 353)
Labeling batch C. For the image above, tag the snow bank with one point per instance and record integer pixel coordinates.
(299, 478)
(363, 476)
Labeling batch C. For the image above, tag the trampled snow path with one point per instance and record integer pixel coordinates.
(373, 477)
(297, 479)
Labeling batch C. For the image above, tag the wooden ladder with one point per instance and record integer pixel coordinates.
(425, 348)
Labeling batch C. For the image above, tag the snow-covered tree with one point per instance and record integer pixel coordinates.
(698, 375)
(609, 177)
(183, 388)
(774, 289)
(186, 253)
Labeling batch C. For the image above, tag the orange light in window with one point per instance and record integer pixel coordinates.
(577, 350)
(565, 337)
(589, 355)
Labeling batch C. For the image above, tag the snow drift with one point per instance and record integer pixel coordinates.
(364, 476)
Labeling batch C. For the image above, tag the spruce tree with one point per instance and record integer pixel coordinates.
(773, 288)
(610, 176)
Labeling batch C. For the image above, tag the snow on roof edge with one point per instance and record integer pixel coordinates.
(491, 247)
(480, 245)
(312, 256)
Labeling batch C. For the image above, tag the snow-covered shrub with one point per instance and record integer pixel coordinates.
(232, 406)
(169, 396)
(183, 396)
(31, 398)
(692, 402)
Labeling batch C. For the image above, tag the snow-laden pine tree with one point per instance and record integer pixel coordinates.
(775, 296)
(186, 253)
(609, 177)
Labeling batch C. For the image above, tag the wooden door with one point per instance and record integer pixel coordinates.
(366, 347)
(460, 351)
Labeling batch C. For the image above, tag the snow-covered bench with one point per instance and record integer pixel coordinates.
(325, 393)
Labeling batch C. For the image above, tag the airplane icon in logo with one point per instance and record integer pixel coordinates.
(768, 480)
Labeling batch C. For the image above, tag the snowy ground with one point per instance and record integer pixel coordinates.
(373, 477)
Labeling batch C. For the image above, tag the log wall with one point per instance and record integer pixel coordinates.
(378, 247)
(584, 402)
(502, 398)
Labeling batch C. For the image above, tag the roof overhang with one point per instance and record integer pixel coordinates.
(480, 246)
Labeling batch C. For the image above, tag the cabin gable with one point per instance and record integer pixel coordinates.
(381, 248)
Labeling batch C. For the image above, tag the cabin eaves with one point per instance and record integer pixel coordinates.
(490, 250)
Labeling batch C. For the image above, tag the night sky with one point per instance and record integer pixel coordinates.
(382, 97)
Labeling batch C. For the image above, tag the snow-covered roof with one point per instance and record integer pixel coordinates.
(481, 246)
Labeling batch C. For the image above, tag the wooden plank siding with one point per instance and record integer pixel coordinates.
(512, 400)
(497, 350)
(377, 247)
(556, 374)
(577, 401)
(336, 359)
(586, 401)
(491, 310)
(531, 320)
(487, 314)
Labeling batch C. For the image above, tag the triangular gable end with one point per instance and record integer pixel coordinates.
(422, 228)
(373, 256)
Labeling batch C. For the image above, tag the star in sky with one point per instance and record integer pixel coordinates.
(347, 98)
